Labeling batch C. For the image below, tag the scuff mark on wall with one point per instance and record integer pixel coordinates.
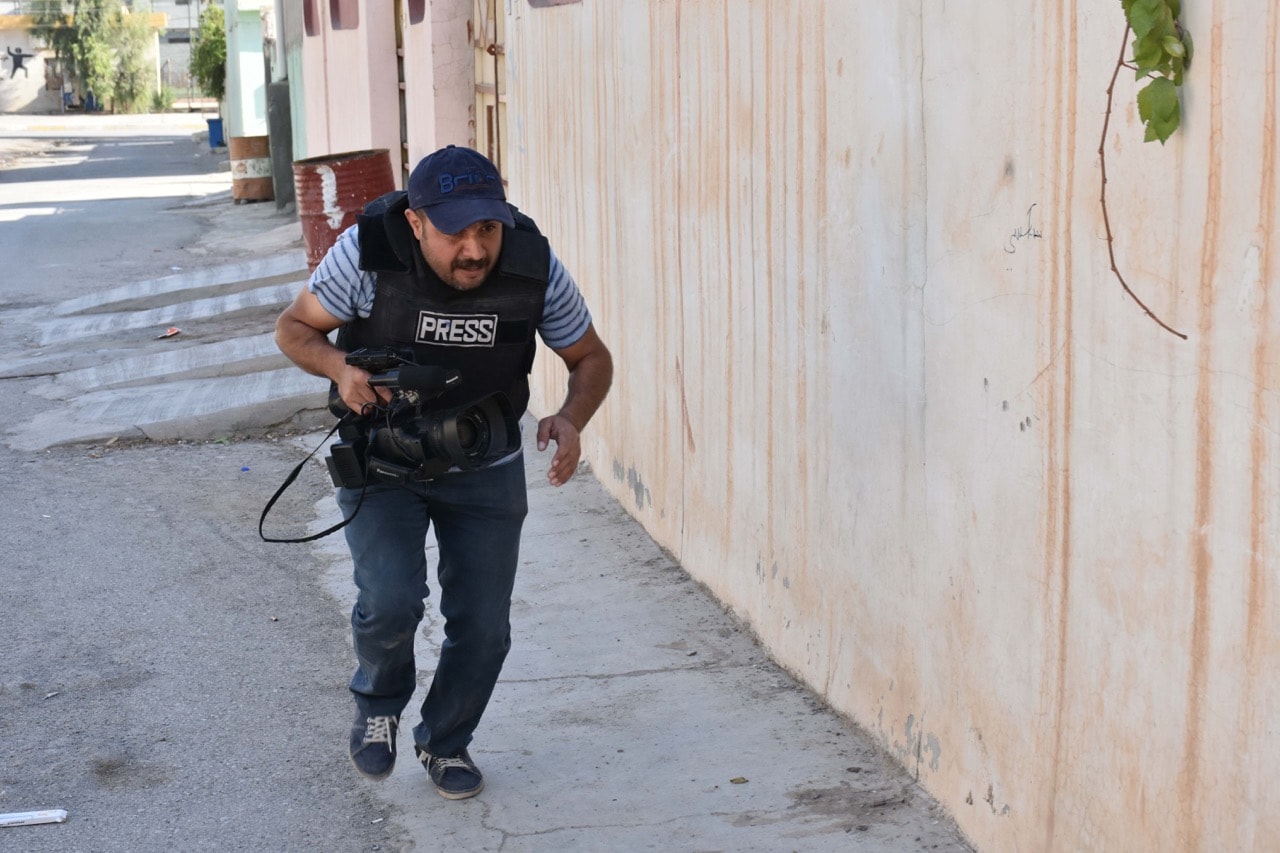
(918, 742)
(639, 489)
(934, 747)
(990, 800)
(631, 477)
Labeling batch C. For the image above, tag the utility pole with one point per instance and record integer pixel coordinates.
(191, 92)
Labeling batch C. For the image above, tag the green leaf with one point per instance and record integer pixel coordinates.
(1148, 52)
(1162, 53)
(1143, 15)
(1159, 109)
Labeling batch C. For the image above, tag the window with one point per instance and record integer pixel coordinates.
(538, 4)
(345, 14)
(310, 21)
(417, 11)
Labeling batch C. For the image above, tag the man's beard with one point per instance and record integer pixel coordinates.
(466, 266)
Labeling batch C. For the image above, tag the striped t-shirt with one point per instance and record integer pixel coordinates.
(346, 292)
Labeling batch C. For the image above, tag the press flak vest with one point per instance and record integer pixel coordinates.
(487, 334)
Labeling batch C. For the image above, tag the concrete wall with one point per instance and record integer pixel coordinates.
(348, 93)
(879, 390)
(246, 107)
(31, 88)
(439, 79)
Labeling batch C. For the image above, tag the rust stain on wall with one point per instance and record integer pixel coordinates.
(740, 123)
(1191, 820)
(1261, 470)
(1254, 721)
(801, 285)
(818, 332)
(684, 409)
(663, 114)
(1061, 400)
(772, 174)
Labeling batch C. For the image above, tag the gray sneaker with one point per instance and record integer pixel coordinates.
(373, 745)
(456, 777)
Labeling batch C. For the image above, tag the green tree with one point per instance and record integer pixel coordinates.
(54, 25)
(209, 53)
(92, 52)
(100, 44)
(133, 83)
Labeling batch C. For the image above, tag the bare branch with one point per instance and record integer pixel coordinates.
(1106, 217)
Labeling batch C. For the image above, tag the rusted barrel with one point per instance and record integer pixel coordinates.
(331, 192)
(250, 169)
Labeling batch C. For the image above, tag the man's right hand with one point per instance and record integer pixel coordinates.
(302, 331)
(357, 393)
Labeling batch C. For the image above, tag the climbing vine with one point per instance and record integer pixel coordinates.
(1161, 55)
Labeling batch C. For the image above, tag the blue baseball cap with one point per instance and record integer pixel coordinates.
(457, 187)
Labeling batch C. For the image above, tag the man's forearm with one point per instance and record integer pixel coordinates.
(589, 383)
(309, 348)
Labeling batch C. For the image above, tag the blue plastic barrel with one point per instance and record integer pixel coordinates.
(215, 133)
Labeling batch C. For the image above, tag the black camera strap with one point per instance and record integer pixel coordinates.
(288, 481)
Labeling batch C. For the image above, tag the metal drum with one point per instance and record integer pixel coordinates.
(251, 169)
(331, 192)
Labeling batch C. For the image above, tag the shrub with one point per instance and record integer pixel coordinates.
(209, 53)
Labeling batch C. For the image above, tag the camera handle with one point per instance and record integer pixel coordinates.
(288, 481)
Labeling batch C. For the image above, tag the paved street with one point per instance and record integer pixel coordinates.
(119, 229)
(175, 683)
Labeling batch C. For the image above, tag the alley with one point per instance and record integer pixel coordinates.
(175, 683)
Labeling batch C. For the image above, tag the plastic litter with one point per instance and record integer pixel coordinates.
(32, 818)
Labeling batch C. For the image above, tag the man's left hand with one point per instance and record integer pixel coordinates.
(559, 429)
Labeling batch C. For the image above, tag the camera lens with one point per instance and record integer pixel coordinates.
(473, 432)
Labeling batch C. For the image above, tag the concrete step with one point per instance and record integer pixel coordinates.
(194, 409)
(188, 284)
(223, 358)
(108, 368)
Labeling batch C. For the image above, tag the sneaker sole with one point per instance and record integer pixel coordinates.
(374, 777)
(460, 795)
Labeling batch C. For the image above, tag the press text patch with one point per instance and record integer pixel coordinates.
(457, 330)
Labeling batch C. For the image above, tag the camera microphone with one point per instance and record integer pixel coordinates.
(427, 380)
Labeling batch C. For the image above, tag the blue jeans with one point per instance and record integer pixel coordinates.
(477, 516)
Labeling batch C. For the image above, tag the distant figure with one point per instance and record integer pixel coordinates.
(19, 61)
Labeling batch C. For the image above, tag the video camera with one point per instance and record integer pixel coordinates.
(402, 442)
